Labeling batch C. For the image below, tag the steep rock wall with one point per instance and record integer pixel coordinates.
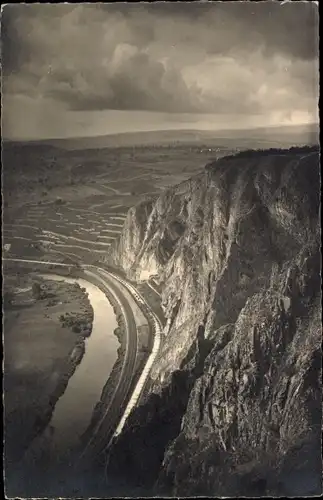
(236, 249)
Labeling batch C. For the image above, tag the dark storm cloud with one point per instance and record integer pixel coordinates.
(240, 57)
(287, 28)
(136, 82)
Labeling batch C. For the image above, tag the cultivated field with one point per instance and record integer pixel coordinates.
(68, 199)
(71, 205)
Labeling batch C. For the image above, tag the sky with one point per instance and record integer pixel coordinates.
(73, 70)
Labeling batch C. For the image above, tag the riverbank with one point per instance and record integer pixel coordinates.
(44, 342)
(112, 381)
(144, 347)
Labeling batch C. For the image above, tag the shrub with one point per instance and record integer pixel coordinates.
(36, 290)
(59, 201)
(250, 153)
(8, 298)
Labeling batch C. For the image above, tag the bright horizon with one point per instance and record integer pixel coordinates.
(164, 126)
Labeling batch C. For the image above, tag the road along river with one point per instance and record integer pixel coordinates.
(73, 411)
(52, 463)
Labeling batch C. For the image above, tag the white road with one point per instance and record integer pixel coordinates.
(157, 331)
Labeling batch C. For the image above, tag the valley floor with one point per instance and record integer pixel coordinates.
(41, 353)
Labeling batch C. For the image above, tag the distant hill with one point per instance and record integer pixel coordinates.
(270, 136)
(299, 134)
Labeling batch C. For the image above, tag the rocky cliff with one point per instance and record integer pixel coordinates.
(235, 402)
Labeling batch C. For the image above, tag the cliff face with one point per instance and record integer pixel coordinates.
(235, 398)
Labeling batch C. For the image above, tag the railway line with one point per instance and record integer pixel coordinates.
(157, 329)
(125, 397)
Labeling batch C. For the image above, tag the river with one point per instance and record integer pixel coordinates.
(74, 409)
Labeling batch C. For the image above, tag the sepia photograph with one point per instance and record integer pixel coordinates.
(161, 249)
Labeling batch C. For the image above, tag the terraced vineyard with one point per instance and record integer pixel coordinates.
(71, 205)
(78, 233)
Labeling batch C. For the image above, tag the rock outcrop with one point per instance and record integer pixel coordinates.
(235, 403)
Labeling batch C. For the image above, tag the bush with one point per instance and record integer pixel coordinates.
(36, 290)
(59, 201)
(250, 153)
(8, 298)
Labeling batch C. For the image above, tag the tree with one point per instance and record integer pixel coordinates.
(8, 297)
(60, 201)
(36, 290)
